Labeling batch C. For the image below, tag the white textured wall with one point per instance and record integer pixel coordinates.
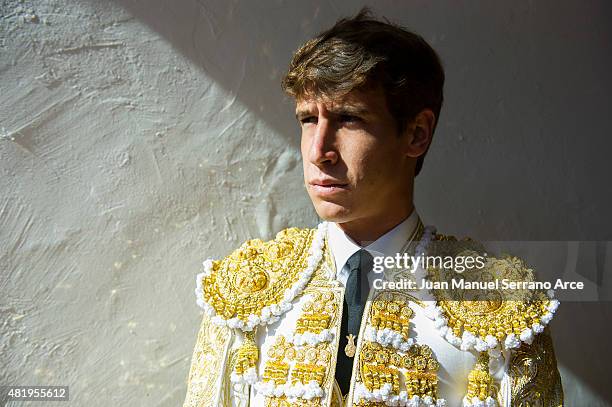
(139, 137)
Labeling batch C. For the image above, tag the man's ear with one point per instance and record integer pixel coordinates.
(419, 133)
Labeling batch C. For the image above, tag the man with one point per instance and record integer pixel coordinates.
(296, 321)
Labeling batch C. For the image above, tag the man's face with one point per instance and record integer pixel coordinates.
(355, 162)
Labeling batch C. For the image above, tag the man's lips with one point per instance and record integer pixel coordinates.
(328, 182)
(327, 186)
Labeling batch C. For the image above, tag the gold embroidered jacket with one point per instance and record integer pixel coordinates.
(270, 334)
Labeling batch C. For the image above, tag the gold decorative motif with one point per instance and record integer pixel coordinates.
(392, 314)
(375, 377)
(257, 274)
(350, 347)
(275, 369)
(276, 372)
(535, 379)
(306, 372)
(284, 402)
(480, 381)
(312, 323)
(292, 364)
(317, 313)
(422, 372)
(372, 352)
(380, 366)
(206, 364)
(248, 354)
(498, 313)
(510, 317)
(236, 394)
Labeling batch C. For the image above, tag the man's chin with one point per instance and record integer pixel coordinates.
(332, 212)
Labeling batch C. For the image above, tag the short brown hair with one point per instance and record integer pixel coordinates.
(362, 51)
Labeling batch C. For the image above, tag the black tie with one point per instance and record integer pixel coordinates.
(355, 297)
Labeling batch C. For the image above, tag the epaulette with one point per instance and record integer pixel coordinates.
(256, 283)
(498, 317)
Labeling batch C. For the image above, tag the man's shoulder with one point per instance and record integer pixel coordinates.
(491, 304)
(256, 283)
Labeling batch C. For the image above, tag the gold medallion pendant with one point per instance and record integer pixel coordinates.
(350, 347)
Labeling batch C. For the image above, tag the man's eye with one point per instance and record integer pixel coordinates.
(310, 119)
(347, 118)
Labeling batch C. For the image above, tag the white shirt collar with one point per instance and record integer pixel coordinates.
(342, 247)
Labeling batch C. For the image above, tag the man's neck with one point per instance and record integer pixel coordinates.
(367, 230)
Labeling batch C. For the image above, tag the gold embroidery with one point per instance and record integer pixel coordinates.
(248, 354)
(257, 274)
(480, 381)
(276, 372)
(534, 374)
(312, 323)
(283, 402)
(303, 364)
(422, 372)
(306, 372)
(380, 366)
(275, 369)
(535, 378)
(498, 313)
(375, 377)
(309, 354)
(392, 314)
(317, 313)
(413, 371)
(236, 394)
(371, 351)
(289, 364)
(206, 363)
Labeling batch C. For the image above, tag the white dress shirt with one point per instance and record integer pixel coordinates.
(392, 242)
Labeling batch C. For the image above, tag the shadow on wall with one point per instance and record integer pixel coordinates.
(246, 48)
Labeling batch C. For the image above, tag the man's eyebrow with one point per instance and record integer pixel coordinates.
(300, 113)
(339, 111)
(350, 110)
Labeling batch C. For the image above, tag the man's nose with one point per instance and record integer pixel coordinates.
(322, 149)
